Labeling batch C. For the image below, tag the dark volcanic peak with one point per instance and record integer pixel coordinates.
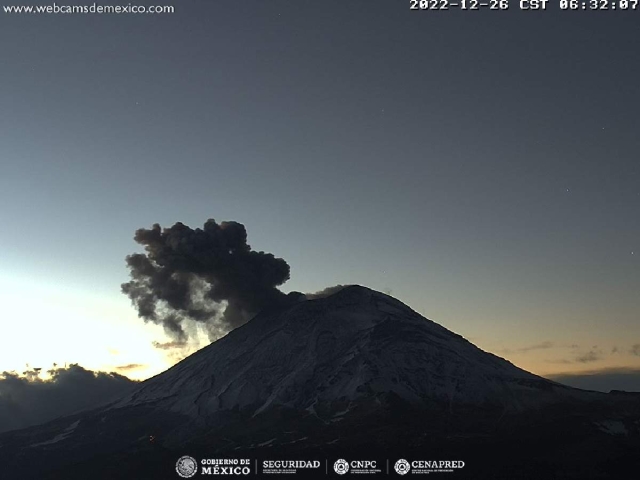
(354, 345)
(354, 371)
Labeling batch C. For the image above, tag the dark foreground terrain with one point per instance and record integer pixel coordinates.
(555, 443)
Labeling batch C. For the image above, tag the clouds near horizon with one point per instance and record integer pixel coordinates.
(602, 380)
(26, 399)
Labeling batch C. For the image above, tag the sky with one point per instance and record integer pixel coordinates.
(482, 167)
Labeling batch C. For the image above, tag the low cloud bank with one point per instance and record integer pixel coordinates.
(604, 380)
(27, 399)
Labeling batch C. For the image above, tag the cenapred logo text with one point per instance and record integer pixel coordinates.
(402, 466)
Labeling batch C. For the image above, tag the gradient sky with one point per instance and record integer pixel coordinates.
(482, 167)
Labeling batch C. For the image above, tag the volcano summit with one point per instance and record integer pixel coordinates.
(354, 373)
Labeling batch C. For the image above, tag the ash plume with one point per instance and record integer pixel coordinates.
(208, 275)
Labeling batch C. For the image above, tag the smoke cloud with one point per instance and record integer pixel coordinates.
(209, 276)
(326, 292)
(27, 399)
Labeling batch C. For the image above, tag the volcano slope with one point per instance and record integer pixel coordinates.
(357, 374)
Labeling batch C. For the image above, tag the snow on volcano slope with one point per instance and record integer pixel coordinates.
(355, 344)
(355, 372)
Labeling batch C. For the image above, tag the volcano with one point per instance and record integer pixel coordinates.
(354, 374)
